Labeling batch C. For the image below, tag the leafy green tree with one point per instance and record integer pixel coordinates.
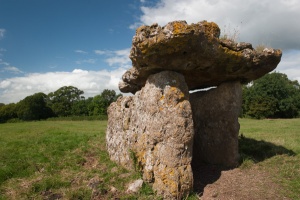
(34, 107)
(62, 100)
(100, 103)
(272, 96)
(8, 112)
(80, 108)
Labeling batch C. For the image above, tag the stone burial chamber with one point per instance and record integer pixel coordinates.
(163, 127)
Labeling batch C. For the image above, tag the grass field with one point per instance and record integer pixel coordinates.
(274, 145)
(68, 160)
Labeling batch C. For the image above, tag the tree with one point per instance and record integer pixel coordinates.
(34, 107)
(62, 100)
(272, 96)
(8, 112)
(100, 103)
(80, 108)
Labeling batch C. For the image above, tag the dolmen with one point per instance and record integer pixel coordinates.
(165, 126)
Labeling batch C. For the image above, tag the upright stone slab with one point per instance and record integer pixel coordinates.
(156, 127)
(118, 139)
(215, 115)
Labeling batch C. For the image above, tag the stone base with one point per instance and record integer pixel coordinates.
(215, 115)
(153, 132)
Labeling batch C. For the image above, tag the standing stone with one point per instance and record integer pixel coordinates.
(156, 127)
(118, 140)
(215, 115)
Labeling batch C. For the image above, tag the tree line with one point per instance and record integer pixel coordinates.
(272, 96)
(64, 102)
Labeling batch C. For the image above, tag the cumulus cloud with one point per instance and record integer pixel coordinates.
(273, 23)
(91, 82)
(2, 32)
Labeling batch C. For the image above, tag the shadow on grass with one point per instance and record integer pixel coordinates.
(257, 151)
(249, 149)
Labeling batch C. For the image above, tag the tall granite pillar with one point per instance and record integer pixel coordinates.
(215, 115)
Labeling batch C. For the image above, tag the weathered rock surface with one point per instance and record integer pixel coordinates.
(196, 52)
(135, 186)
(215, 115)
(153, 130)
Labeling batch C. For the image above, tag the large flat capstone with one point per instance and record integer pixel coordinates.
(197, 52)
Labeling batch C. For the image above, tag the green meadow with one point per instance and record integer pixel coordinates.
(68, 159)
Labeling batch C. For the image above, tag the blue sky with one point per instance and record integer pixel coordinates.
(47, 44)
(48, 35)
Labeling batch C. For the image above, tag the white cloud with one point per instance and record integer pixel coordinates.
(88, 61)
(91, 82)
(100, 52)
(273, 23)
(120, 57)
(290, 64)
(135, 25)
(116, 58)
(2, 33)
(3, 63)
(11, 69)
(80, 51)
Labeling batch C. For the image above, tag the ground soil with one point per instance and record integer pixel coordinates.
(212, 182)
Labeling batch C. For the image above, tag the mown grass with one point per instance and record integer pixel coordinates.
(68, 159)
(274, 146)
(61, 159)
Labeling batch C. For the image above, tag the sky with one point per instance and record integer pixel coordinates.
(47, 44)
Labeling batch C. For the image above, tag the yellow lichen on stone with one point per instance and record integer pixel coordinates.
(178, 28)
(171, 184)
(230, 58)
(141, 28)
(231, 52)
(181, 95)
(162, 98)
(211, 29)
